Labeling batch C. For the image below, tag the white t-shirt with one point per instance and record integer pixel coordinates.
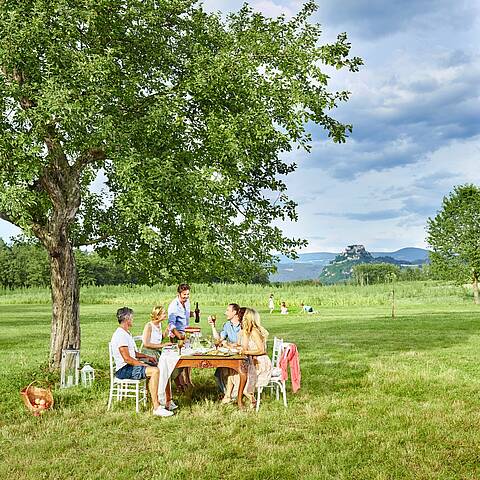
(121, 338)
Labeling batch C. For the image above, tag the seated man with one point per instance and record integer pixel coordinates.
(127, 359)
(228, 335)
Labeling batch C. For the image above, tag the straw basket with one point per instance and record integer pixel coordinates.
(37, 399)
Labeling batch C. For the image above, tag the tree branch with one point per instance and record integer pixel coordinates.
(91, 155)
(94, 241)
(7, 218)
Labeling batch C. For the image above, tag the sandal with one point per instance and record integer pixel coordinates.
(226, 400)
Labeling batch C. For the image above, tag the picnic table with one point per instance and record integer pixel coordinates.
(170, 360)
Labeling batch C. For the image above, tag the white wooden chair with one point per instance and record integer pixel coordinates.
(138, 339)
(276, 381)
(120, 389)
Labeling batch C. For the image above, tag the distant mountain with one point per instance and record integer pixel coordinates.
(290, 272)
(316, 257)
(310, 265)
(409, 254)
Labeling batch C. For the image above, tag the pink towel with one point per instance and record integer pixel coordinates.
(290, 357)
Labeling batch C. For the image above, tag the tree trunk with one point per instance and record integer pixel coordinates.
(65, 301)
(475, 288)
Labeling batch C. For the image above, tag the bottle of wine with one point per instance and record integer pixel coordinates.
(197, 313)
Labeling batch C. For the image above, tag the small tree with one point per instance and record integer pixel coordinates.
(454, 236)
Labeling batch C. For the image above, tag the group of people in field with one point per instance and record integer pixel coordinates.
(242, 331)
(284, 308)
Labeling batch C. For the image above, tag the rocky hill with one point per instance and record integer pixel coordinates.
(308, 266)
(341, 267)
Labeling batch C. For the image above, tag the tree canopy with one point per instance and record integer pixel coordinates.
(454, 236)
(185, 115)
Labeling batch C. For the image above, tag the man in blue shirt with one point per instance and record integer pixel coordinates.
(178, 320)
(179, 312)
(229, 334)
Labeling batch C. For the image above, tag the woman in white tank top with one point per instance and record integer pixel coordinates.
(153, 334)
(152, 343)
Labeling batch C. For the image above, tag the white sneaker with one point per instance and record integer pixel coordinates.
(162, 412)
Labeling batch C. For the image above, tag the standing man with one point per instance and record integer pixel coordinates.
(128, 364)
(178, 320)
(229, 333)
(179, 312)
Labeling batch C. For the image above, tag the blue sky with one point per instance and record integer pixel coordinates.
(415, 108)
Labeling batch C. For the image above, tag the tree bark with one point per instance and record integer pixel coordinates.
(65, 301)
(475, 288)
(65, 291)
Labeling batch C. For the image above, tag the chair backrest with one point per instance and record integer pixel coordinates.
(277, 351)
(138, 338)
(111, 360)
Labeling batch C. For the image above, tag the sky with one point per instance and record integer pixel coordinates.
(415, 110)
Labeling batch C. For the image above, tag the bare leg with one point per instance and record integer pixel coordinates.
(188, 377)
(228, 390)
(153, 375)
(243, 381)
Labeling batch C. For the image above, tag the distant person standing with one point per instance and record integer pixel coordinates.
(271, 303)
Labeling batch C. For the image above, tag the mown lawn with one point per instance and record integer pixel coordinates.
(380, 398)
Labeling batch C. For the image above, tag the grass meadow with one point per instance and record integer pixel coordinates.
(381, 398)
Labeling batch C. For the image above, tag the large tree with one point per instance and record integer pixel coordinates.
(184, 115)
(454, 236)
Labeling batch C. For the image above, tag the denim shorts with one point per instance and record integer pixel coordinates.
(131, 372)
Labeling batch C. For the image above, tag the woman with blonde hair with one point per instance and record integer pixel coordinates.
(152, 333)
(152, 344)
(253, 344)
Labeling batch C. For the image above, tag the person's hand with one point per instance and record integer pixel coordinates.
(211, 320)
(152, 359)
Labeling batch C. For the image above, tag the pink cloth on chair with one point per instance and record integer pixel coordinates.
(290, 357)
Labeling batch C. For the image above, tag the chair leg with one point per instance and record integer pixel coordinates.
(259, 394)
(137, 397)
(110, 397)
(277, 391)
(284, 391)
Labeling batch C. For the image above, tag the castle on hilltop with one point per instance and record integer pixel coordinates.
(352, 250)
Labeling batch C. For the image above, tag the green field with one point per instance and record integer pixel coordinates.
(380, 397)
